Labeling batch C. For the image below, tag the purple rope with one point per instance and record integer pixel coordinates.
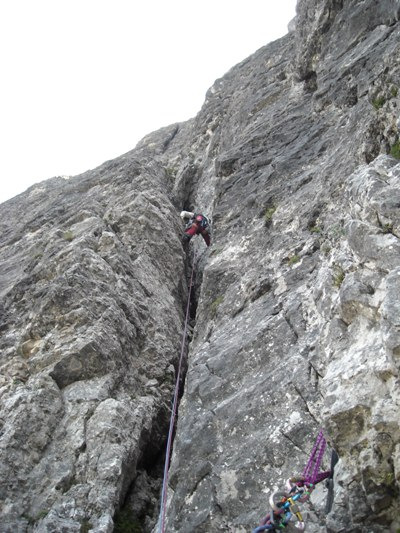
(318, 461)
(321, 476)
(312, 455)
(164, 491)
(310, 474)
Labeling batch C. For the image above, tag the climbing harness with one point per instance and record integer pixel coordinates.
(163, 506)
(298, 489)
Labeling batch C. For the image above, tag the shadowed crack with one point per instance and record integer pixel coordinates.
(292, 441)
(298, 390)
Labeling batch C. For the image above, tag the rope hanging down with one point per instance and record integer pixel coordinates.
(163, 506)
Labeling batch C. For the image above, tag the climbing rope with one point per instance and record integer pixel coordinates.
(163, 506)
(310, 474)
(298, 489)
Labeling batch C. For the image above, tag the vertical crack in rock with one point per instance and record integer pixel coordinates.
(292, 203)
(141, 505)
(91, 328)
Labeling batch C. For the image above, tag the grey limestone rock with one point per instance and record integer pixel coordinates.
(92, 291)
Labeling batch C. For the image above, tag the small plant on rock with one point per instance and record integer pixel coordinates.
(387, 228)
(325, 249)
(68, 235)
(171, 172)
(293, 259)
(378, 102)
(215, 304)
(315, 229)
(395, 150)
(268, 214)
(338, 276)
(86, 526)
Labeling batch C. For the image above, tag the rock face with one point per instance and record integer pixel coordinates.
(92, 289)
(294, 156)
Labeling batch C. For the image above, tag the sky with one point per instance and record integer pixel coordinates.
(84, 80)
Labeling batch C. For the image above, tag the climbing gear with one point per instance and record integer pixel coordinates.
(298, 489)
(274, 521)
(311, 470)
(283, 508)
(174, 410)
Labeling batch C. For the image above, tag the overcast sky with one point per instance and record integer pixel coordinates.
(82, 81)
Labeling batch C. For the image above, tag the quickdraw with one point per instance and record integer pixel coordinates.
(284, 505)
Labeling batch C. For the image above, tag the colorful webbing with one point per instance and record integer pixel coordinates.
(163, 506)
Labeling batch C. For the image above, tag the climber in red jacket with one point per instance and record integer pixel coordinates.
(197, 223)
